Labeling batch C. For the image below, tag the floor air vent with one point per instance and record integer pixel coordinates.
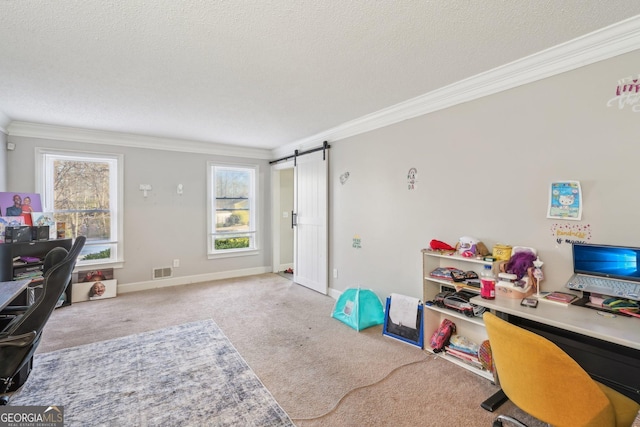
(161, 273)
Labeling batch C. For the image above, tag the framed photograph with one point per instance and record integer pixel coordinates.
(93, 275)
(565, 200)
(90, 285)
(20, 204)
(92, 291)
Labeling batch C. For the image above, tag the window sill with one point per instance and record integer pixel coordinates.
(233, 254)
(98, 264)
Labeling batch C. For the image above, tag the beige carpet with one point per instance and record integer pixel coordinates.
(320, 371)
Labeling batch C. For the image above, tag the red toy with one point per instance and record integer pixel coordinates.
(438, 245)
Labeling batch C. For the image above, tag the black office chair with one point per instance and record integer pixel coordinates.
(20, 337)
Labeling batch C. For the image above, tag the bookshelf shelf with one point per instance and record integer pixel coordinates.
(470, 327)
(11, 270)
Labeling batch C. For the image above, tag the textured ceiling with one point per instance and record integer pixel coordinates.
(263, 73)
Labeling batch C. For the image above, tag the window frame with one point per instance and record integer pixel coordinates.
(254, 201)
(44, 185)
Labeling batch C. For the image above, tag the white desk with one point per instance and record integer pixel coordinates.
(607, 348)
(621, 330)
(10, 290)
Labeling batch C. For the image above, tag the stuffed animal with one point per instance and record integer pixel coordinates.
(521, 264)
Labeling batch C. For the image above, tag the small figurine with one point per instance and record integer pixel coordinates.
(537, 274)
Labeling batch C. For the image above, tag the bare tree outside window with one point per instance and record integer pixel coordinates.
(81, 198)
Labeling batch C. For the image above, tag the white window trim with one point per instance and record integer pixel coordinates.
(40, 185)
(229, 253)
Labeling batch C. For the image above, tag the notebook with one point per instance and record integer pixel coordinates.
(605, 269)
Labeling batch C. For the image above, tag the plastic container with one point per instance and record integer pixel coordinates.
(502, 252)
(487, 283)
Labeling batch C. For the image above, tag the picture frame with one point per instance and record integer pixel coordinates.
(20, 204)
(92, 291)
(94, 275)
(42, 219)
(9, 221)
(92, 285)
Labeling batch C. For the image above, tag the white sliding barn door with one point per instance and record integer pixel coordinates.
(311, 219)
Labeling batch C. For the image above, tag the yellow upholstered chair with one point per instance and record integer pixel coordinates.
(542, 380)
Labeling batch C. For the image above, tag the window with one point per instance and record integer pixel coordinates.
(84, 190)
(232, 209)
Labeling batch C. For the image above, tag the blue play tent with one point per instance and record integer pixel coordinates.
(359, 308)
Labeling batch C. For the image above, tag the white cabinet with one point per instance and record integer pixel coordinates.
(470, 327)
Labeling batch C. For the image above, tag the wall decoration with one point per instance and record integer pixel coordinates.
(565, 200)
(412, 178)
(357, 242)
(571, 233)
(627, 94)
(344, 177)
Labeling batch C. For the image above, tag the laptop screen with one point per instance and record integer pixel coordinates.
(617, 262)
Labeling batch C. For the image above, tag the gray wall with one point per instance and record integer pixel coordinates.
(164, 226)
(484, 169)
(3, 162)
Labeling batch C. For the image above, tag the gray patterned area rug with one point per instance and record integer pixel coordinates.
(186, 375)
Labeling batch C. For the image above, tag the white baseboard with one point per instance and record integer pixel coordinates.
(334, 293)
(199, 278)
(187, 280)
(283, 267)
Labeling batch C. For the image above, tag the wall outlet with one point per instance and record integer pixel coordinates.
(335, 273)
(176, 263)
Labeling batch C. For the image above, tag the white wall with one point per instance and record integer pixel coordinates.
(484, 169)
(164, 226)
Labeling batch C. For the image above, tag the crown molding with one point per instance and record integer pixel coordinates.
(64, 133)
(614, 40)
(4, 123)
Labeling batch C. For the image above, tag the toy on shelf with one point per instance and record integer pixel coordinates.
(440, 246)
(517, 275)
(538, 275)
(470, 247)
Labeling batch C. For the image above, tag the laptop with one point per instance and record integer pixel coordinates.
(607, 270)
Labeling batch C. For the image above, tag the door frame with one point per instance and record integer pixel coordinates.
(275, 211)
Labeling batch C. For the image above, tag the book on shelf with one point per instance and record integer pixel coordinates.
(463, 356)
(28, 275)
(562, 298)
